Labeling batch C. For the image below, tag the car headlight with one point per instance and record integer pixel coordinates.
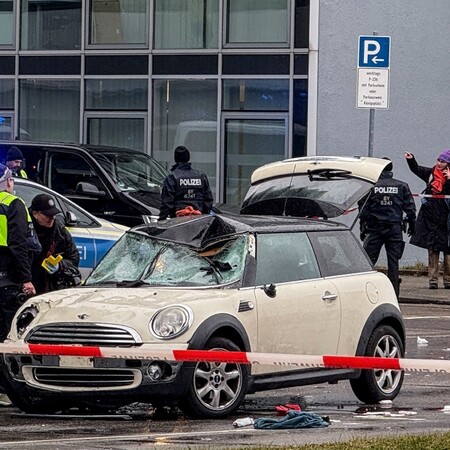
(170, 322)
(25, 318)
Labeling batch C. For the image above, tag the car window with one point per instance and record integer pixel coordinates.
(339, 253)
(28, 191)
(132, 171)
(139, 258)
(284, 257)
(67, 170)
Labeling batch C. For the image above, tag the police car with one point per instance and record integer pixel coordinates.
(93, 236)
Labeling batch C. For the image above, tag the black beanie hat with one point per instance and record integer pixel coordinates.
(13, 154)
(181, 154)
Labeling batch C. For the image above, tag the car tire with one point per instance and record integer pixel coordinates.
(215, 389)
(379, 384)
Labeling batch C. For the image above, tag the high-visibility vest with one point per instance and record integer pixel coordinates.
(20, 174)
(5, 200)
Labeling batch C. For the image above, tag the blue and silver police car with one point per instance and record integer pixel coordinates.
(93, 236)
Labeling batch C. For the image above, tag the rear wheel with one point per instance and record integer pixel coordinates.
(380, 384)
(215, 389)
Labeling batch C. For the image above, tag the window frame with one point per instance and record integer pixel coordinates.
(87, 32)
(13, 43)
(241, 45)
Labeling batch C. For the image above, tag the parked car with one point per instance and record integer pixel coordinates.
(215, 282)
(93, 237)
(117, 184)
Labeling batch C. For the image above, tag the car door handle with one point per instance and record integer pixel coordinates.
(328, 296)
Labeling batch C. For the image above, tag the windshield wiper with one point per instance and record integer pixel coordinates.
(130, 284)
(216, 267)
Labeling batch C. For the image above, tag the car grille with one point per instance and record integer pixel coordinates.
(86, 378)
(84, 334)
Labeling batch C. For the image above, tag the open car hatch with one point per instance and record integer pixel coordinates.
(320, 186)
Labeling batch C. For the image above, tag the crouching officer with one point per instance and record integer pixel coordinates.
(381, 221)
(185, 189)
(15, 252)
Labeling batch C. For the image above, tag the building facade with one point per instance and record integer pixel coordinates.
(229, 79)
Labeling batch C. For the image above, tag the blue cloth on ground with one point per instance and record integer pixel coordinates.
(293, 419)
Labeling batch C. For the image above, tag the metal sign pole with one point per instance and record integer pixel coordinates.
(371, 128)
(371, 121)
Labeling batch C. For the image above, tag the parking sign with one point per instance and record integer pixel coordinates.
(373, 72)
(374, 51)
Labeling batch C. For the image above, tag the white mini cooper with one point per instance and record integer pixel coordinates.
(299, 285)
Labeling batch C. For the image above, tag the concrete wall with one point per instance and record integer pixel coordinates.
(419, 103)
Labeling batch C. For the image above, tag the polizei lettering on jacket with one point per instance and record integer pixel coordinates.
(190, 182)
(386, 190)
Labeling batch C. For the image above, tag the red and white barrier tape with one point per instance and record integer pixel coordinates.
(431, 195)
(299, 361)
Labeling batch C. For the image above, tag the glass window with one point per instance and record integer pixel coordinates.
(184, 113)
(6, 22)
(257, 22)
(118, 22)
(256, 95)
(125, 95)
(137, 258)
(6, 128)
(67, 170)
(27, 192)
(6, 94)
(51, 25)
(302, 23)
(248, 145)
(186, 23)
(300, 118)
(339, 253)
(127, 132)
(284, 257)
(50, 109)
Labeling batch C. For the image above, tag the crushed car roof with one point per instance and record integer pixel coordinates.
(200, 232)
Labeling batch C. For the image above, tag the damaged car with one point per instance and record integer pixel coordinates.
(251, 283)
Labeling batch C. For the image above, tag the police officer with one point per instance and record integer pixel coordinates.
(13, 161)
(381, 221)
(15, 254)
(185, 188)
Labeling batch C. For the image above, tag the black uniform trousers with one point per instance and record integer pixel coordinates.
(390, 235)
(8, 308)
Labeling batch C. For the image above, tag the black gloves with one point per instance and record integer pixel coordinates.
(411, 228)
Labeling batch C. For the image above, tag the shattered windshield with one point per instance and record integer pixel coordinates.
(132, 171)
(138, 259)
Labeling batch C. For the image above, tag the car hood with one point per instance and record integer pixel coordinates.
(123, 306)
(320, 186)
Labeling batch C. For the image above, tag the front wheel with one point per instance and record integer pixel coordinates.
(380, 384)
(215, 389)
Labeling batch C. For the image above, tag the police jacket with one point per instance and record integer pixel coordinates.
(55, 241)
(388, 200)
(15, 225)
(185, 186)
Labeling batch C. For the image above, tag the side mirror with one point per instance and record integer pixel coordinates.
(70, 219)
(89, 190)
(270, 291)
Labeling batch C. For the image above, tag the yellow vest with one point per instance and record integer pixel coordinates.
(5, 199)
